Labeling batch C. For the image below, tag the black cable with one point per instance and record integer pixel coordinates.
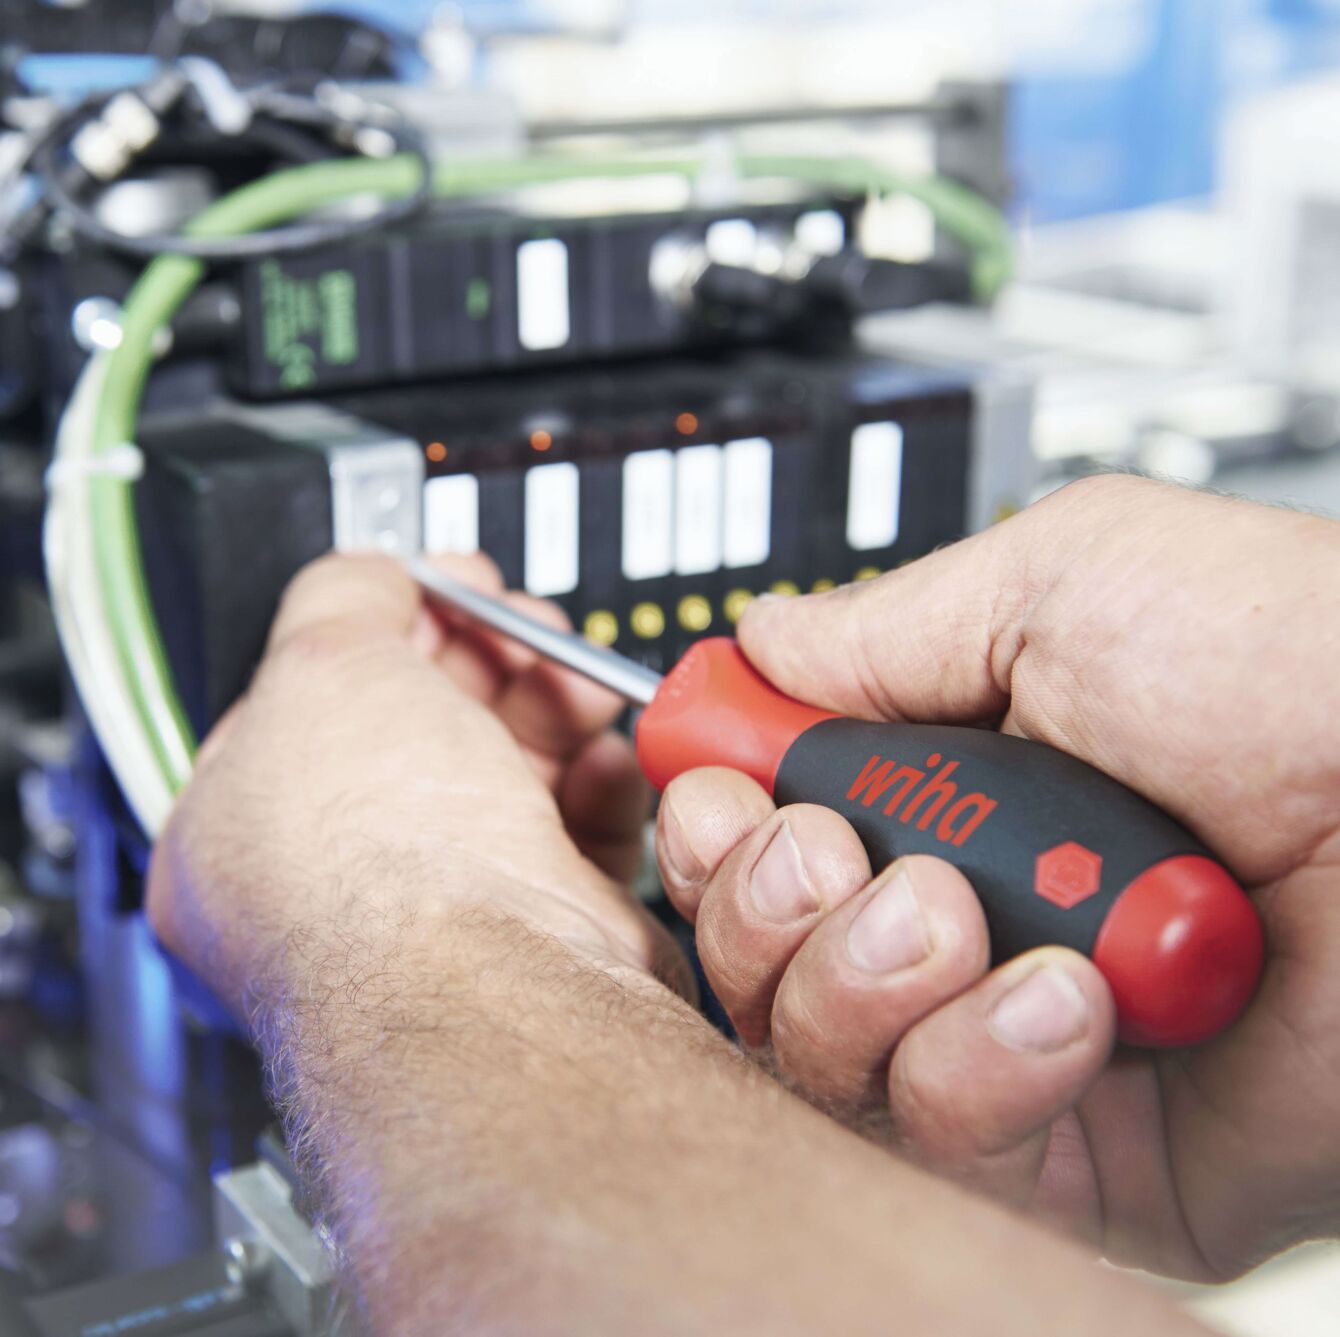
(157, 93)
(25, 227)
(288, 143)
(298, 237)
(334, 44)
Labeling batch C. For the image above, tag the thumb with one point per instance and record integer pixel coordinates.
(937, 640)
(931, 641)
(1084, 617)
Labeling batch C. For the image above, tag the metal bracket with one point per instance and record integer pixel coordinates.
(376, 477)
(271, 1249)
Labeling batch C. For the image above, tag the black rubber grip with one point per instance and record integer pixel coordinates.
(1047, 841)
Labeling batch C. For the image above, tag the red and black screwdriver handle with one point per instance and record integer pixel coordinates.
(1057, 851)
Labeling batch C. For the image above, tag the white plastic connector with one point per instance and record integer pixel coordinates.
(132, 121)
(124, 462)
(105, 146)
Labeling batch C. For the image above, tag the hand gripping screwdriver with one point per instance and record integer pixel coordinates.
(1056, 851)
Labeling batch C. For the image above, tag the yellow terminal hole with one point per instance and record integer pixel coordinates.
(823, 584)
(868, 573)
(734, 604)
(647, 620)
(785, 587)
(694, 613)
(601, 627)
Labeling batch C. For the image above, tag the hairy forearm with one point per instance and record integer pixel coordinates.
(507, 1136)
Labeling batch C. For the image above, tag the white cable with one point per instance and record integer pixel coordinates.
(81, 621)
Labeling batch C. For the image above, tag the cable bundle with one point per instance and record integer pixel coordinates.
(102, 605)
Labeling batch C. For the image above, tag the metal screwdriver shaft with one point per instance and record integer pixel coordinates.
(633, 681)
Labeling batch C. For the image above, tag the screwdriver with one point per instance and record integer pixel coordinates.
(1057, 851)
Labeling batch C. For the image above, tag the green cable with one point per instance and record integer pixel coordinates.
(974, 220)
(160, 291)
(276, 199)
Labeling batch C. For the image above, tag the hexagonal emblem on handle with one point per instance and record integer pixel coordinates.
(1067, 874)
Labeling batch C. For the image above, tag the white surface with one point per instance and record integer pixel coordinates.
(698, 514)
(821, 231)
(731, 241)
(648, 514)
(451, 514)
(551, 529)
(748, 536)
(1296, 1295)
(875, 485)
(542, 294)
(1280, 165)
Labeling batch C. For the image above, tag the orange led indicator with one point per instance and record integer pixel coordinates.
(435, 451)
(540, 440)
(686, 424)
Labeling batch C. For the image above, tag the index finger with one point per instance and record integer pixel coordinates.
(359, 596)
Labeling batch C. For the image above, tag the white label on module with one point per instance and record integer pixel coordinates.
(648, 514)
(542, 293)
(748, 532)
(698, 510)
(821, 231)
(875, 486)
(731, 241)
(551, 529)
(451, 514)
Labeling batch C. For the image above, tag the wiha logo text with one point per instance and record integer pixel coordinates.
(924, 803)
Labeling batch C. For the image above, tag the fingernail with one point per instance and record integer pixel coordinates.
(780, 886)
(1044, 1013)
(685, 866)
(890, 931)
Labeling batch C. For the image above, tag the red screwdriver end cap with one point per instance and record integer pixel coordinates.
(715, 709)
(1182, 949)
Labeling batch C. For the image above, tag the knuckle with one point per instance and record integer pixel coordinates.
(710, 813)
(799, 1025)
(316, 575)
(1100, 491)
(715, 950)
(738, 971)
(931, 1116)
(923, 1117)
(317, 665)
(316, 582)
(315, 644)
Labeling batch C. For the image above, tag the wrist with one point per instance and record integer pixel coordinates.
(336, 931)
(384, 959)
(407, 1044)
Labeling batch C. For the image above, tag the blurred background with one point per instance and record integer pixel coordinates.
(663, 303)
